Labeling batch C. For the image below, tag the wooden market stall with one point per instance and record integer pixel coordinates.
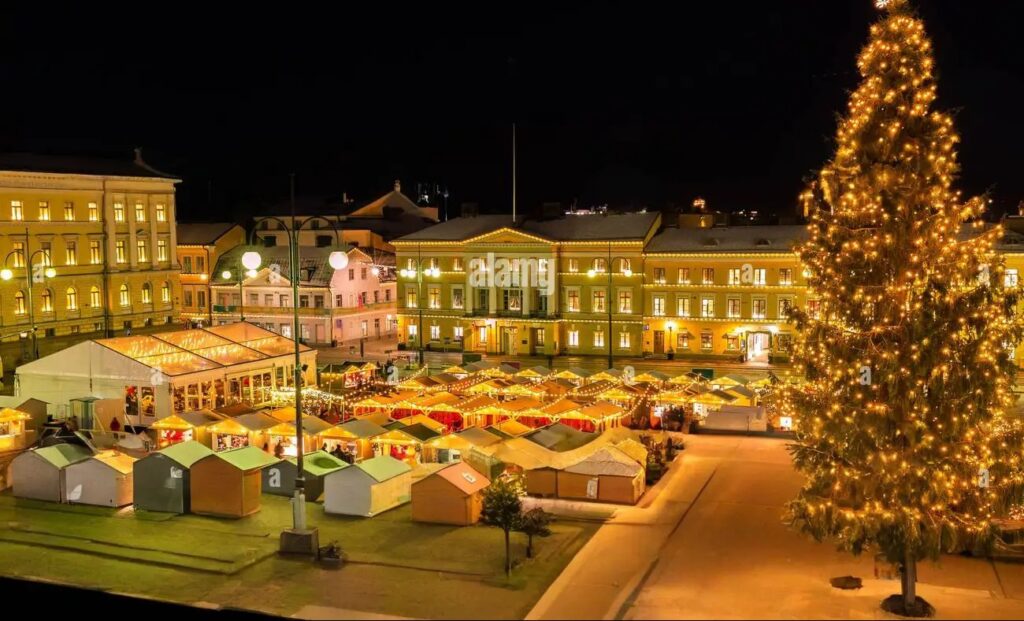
(354, 438)
(609, 475)
(283, 433)
(103, 480)
(241, 431)
(656, 378)
(451, 495)
(474, 410)
(279, 478)
(573, 374)
(536, 373)
(410, 443)
(559, 437)
(525, 410)
(608, 375)
(39, 473)
(186, 426)
(228, 483)
(368, 488)
(15, 433)
(595, 417)
(162, 479)
(509, 428)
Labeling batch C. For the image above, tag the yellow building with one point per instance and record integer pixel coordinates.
(546, 287)
(200, 245)
(107, 230)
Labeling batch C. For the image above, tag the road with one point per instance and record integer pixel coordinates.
(713, 545)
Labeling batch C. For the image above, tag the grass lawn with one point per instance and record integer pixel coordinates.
(397, 567)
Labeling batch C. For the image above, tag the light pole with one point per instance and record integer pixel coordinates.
(48, 272)
(338, 260)
(226, 275)
(608, 299)
(418, 272)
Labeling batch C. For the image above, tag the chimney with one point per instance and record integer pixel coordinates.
(1020, 208)
(138, 156)
(469, 210)
(398, 185)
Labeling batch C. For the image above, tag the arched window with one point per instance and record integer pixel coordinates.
(47, 301)
(94, 298)
(72, 298)
(19, 303)
(147, 293)
(165, 292)
(126, 299)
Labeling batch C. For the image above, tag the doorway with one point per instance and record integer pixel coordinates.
(758, 346)
(537, 345)
(508, 340)
(659, 341)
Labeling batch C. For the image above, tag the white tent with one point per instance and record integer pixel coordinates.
(368, 488)
(736, 418)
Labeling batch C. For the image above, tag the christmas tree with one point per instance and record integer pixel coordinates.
(903, 427)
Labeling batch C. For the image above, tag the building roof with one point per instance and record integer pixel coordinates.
(319, 463)
(609, 461)
(202, 233)
(479, 437)
(626, 226)
(314, 267)
(763, 238)
(61, 455)
(186, 453)
(394, 200)
(80, 165)
(418, 431)
(362, 428)
(559, 437)
(383, 467)
(247, 458)
(463, 477)
(256, 421)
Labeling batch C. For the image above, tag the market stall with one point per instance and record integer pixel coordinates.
(39, 473)
(283, 434)
(451, 495)
(409, 443)
(596, 417)
(478, 436)
(162, 479)
(559, 437)
(574, 374)
(608, 375)
(241, 431)
(14, 432)
(103, 480)
(228, 484)
(471, 409)
(354, 438)
(186, 426)
(509, 428)
(609, 475)
(525, 410)
(279, 478)
(656, 378)
(368, 488)
(534, 373)
(347, 374)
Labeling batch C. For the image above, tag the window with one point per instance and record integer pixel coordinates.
(457, 333)
(434, 263)
(683, 341)
(624, 267)
(785, 276)
(387, 295)
(376, 297)
(186, 265)
(339, 301)
(734, 276)
(94, 212)
(434, 297)
(140, 212)
(458, 298)
(161, 250)
(120, 253)
(542, 266)
(186, 295)
(600, 265)
(707, 307)
(658, 305)
(165, 292)
(161, 212)
(412, 331)
(625, 301)
(44, 211)
(352, 273)
(759, 308)
(118, 212)
(362, 274)
(732, 342)
(410, 298)
(574, 338)
(200, 264)
(599, 300)
(268, 299)
(683, 276)
(69, 211)
(47, 297)
(94, 297)
(659, 275)
(1010, 277)
(201, 299)
(19, 303)
(45, 249)
(125, 296)
(95, 255)
(71, 298)
(708, 276)
(143, 251)
(16, 211)
(147, 293)
(683, 306)
(572, 299)
(814, 308)
(303, 301)
(71, 253)
(624, 340)
(599, 338)
(18, 248)
(732, 308)
(574, 266)
(482, 335)
(785, 305)
(318, 301)
(512, 299)
(705, 340)
(457, 265)
(759, 277)
(435, 333)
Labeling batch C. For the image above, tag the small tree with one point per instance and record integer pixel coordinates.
(502, 508)
(534, 523)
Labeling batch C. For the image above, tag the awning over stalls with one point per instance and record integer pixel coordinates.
(572, 373)
(653, 377)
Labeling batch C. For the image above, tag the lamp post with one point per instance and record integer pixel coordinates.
(418, 273)
(47, 272)
(226, 275)
(338, 259)
(608, 300)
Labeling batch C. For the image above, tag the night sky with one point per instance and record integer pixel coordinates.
(627, 104)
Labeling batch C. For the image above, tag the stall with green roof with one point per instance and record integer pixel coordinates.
(279, 478)
(162, 479)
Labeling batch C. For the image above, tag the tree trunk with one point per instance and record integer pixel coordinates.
(909, 579)
(529, 546)
(508, 556)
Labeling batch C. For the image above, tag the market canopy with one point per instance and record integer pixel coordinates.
(651, 377)
(609, 375)
(311, 426)
(559, 408)
(573, 373)
(609, 461)
(240, 425)
(186, 453)
(188, 420)
(732, 379)
(357, 428)
(9, 415)
(534, 372)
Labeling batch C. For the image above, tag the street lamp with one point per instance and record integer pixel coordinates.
(609, 298)
(338, 259)
(250, 273)
(49, 272)
(419, 273)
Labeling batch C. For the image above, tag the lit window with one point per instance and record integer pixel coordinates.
(125, 295)
(599, 338)
(732, 309)
(143, 250)
(118, 212)
(658, 305)
(734, 276)
(412, 331)
(624, 266)
(71, 253)
(165, 292)
(683, 341)
(94, 297)
(760, 276)
(120, 253)
(457, 264)
(599, 301)
(434, 297)
(705, 340)
(574, 338)
(707, 307)
(600, 265)
(18, 249)
(45, 248)
(573, 300)
(683, 306)
(625, 301)
(457, 333)
(708, 276)
(458, 299)
(19, 303)
(44, 211)
(94, 212)
(759, 308)
(482, 334)
(435, 333)
(574, 265)
(147, 293)
(161, 250)
(683, 276)
(410, 298)
(623, 340)
(814, 308)
(95, 254)
(140, 212)
(732, 343)
(785, 276)
(72, 298)
(69, 211)
(785, 305)
(161, 212)
(47, 298)
(1010, 277)
(659, 275)
(16, 211)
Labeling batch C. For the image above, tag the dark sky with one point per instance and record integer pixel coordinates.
(631, 103)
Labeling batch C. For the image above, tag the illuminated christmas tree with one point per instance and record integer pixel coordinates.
(903, 429)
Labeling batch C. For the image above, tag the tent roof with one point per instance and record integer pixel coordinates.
(247, 458)
(521, 404)
(186, 453)
(115, 461)
(200, 418)
(61, 455)
(383, 467)
(608, 461)
(463, 477)
(573, 373)
(311, 425)
(479, 437)
(556, 408)
(256, 421)
(602, 409)
(559, 437)
(362, 428)
(319, 463)
(740, 390)
(423, 419)
(511, 427)
(9, 414)
(418, 431)
(651, 376)
(634, 449)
